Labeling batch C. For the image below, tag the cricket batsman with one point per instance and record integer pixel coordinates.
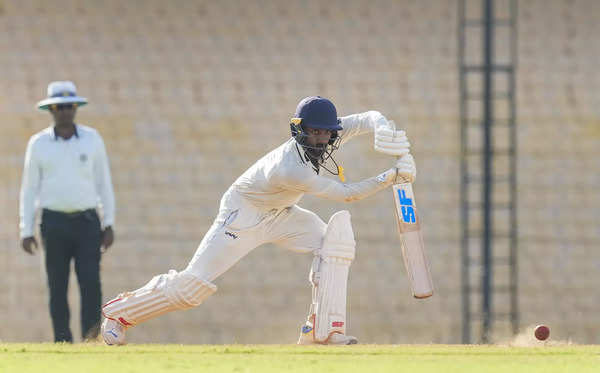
(262, 207)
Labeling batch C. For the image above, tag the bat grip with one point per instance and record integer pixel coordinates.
(393, 128)
(396, 177)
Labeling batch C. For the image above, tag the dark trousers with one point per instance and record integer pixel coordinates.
(78, 236)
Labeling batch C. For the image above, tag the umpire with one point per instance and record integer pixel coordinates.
(66, 175)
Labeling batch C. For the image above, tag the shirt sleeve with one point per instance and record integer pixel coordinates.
(30, 187)
(309, 182)
(359, 124)
(104, 185)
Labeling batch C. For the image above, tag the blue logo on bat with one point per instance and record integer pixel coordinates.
(407, 207)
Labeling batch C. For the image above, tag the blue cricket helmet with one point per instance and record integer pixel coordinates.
(317, 112)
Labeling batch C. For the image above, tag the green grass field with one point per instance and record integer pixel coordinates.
(288, 358)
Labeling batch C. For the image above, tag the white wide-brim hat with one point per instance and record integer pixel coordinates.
(61, 92)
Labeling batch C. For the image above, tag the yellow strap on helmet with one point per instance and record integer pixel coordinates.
(341, 174)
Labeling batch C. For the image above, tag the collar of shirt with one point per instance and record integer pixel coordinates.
(56, 136)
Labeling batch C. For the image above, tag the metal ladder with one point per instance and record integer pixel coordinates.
(487, 58)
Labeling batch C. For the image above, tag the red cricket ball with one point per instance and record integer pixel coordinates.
(542, 332)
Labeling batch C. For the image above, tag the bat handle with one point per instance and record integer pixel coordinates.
(393, 127)
(396, 177)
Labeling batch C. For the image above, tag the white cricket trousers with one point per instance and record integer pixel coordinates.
(240, 227)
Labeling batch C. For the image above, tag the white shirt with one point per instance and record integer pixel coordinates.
(283, 176)
(65, 175)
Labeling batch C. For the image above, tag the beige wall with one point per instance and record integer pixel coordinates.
(187, 95)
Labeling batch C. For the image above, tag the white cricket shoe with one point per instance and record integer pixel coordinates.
(341, 339)
(113, 332)
(307, 338)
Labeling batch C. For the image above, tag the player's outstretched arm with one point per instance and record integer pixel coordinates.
(404, 170)
(361, 123)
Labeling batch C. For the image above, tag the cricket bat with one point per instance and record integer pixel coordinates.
(411, 240)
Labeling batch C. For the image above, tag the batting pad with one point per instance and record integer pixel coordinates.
(164, 293)
(337, 253)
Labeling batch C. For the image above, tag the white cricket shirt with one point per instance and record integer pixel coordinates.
(283, 176)
(65, 175)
